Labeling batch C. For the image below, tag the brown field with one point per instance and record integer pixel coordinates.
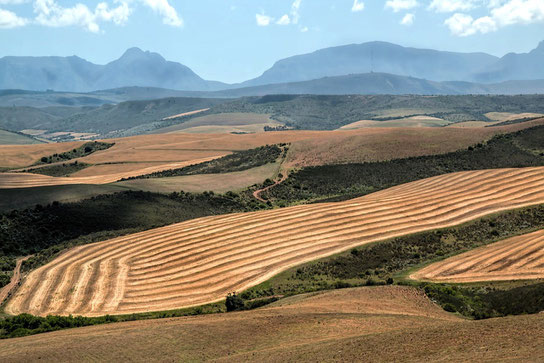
(414, 121)
(508, 116)
(186, 114)
(473, 124)
(30, 180)
(201, 260)
(517, 258)
(308, 147)
(370, 324)
(222, 123)
(218, 183)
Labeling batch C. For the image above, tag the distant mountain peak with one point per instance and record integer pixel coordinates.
(136, 53)
(540, 47)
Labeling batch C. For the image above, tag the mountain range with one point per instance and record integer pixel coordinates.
(374, 67)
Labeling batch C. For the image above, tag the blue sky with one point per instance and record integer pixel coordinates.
(234, 40)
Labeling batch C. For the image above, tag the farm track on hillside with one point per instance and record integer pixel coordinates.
(200, 261)
(516, 258)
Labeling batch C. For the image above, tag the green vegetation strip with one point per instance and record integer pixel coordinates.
(237, 161)
(64, 169)
(84, 150)
(340, 182)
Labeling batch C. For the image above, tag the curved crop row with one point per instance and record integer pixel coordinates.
(201, 260)
(516, 258)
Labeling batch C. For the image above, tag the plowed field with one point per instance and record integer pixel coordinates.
(201, 260)
(516, 258)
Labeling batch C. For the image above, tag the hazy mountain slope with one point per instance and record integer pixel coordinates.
(383, 83)
(130, 114)
(134, 68)
(525, 66)
(377, 57)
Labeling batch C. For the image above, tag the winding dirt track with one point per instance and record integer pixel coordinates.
(15, 278)
(517, 258)
(201, 260)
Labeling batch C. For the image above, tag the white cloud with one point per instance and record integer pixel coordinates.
(10, 20)
(263, 20)
(408, 19)
(502, 14)
(284, 20)
(163, 8)
(13, 2)
(399, 5)
(295, 7)
(357, 6)
(49, 13)
(304, 29)
(449, 6)
(291, 18)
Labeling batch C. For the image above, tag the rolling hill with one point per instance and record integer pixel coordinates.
(516, 258)
(201, 260)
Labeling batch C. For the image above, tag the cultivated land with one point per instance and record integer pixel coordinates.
(364, 324)
(413, 121)
(222, 123)
(201, 260)
(517, 258)
(12, 138)
(29, 180)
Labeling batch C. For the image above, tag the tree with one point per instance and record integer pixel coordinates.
(234, 302)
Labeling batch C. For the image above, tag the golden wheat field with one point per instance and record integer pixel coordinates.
(201, 260)
(516, 258)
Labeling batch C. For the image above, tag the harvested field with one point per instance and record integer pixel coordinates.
(12, 138)
(186, 114)
(309, 147)
(414, 121)
(517, 258)
(201, 260)
(222, 122)
(218, 183)
(508, 116)
(389, 323)
(30, 180)
(473, 124)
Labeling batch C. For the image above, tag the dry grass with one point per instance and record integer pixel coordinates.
(508, 116)
(218, 183)
(365, 324)
(517, 258)
(30, 180)
(200, 261)
(414, 121)
(186, 114)
(222, 122)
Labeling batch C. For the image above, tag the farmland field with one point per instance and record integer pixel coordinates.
(370, 324)
(516, 258)
(163, 268)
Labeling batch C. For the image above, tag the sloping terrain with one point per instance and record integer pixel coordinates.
(365, 324)
(201, 260)
(516, 258)
(29, 180)
(14, 138)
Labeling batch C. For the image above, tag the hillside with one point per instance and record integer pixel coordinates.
(525, 66)
(516, 258)
(375, 57)
(243, 250)
(133, 68)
